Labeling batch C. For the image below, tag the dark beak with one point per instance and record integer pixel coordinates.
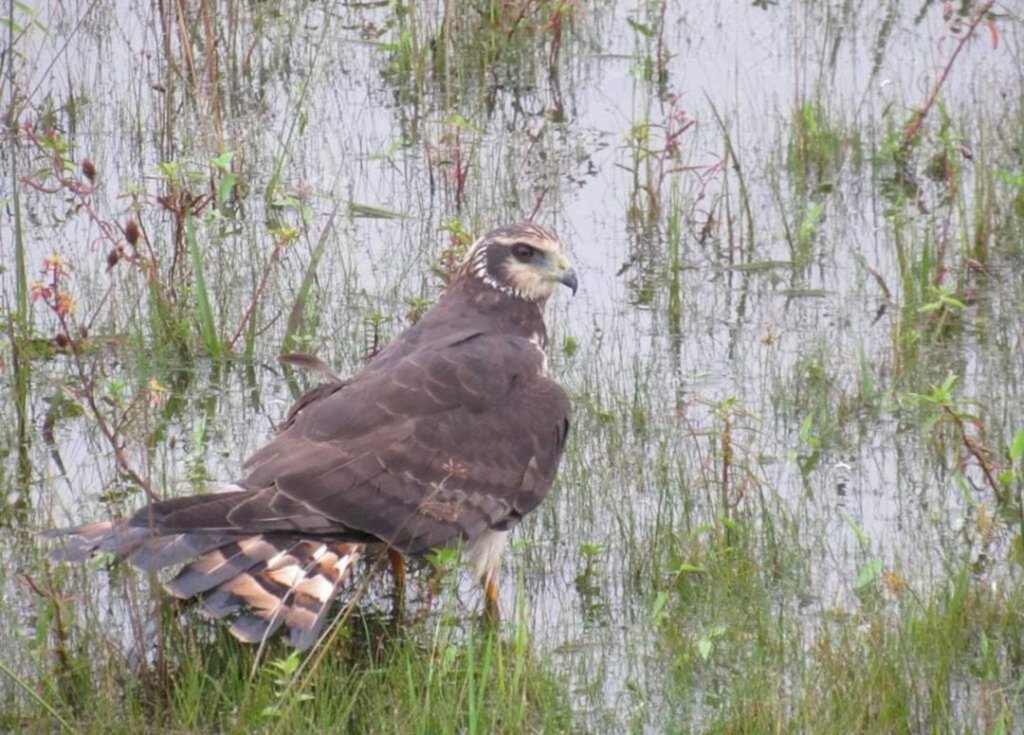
(569, 279)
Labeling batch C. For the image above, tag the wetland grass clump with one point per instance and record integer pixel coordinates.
(816, 154)
(817, 149)
(941, 208)
(157, 296)
(725, 615)
(454, 56)
(898, 657)
(923, 665)
(441, 673)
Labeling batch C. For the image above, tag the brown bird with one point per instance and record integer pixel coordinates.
(449, 436)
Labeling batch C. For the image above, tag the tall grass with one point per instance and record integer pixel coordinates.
(435, 675)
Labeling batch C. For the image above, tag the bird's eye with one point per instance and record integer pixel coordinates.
(523, 252)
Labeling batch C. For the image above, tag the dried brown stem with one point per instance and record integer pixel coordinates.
(912, 129)
(976, 451)
(256, 295)
(88, 393)
(83, 192)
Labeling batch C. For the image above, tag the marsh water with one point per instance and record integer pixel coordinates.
(759, 337)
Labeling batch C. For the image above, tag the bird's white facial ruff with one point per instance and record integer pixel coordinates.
(492, 260)
(531, 283)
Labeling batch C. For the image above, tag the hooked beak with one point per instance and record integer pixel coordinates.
(568, 278)
(565, 273)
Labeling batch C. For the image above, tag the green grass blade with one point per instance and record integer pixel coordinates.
(206, 326)
(23, 685)
(358, 209)
(296, 316)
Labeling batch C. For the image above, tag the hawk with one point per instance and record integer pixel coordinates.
(448, 436)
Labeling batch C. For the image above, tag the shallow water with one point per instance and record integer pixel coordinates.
(738, 312)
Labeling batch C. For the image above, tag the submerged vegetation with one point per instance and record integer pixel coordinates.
(793, 499)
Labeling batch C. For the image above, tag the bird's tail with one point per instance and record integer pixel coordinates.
(260, 582)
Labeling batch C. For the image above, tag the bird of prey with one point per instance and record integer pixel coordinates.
(448, 436)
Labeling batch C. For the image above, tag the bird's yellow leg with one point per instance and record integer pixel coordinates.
(492, 610)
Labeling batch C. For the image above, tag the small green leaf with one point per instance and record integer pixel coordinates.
(170, 169)
(224, 188)
(640, 28)
(659, 606)
(868, 574)
(1010, 177)
(704, 648)
(1017, 446)
(812, 218)
(223, 161)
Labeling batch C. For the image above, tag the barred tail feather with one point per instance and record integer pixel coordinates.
(262, 581)
(293, 587)
(220, 565)
(139, 544)
(105, 537)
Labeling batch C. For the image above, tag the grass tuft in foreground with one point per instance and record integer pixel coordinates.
(444, 673)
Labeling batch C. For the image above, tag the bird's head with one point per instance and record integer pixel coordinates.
(523, 260)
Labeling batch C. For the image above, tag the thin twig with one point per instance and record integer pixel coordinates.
(82, 193)
(972, 448)
(89, 394)
(256, 295)
(915, 125)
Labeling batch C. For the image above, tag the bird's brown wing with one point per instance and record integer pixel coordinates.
(445, 442)
(439, 443)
